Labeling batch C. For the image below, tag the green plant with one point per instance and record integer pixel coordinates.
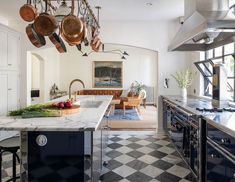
(184, 78)
(136, 87)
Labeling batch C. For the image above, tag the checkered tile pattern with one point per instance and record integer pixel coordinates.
(134, 158)
(143, 158)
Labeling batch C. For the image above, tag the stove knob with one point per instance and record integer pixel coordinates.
(225, 140)
(234, 175)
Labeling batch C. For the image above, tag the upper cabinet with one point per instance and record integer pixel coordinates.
(3, 49)
(9, 49)
(13, 51)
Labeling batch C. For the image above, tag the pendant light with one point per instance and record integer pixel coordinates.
(62, 11)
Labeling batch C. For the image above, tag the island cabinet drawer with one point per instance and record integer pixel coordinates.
(223, 139)
(56, 156)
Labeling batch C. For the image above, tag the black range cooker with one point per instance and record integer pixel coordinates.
(187, 131)
(183, 127)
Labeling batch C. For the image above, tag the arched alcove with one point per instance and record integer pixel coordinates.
(37, 78)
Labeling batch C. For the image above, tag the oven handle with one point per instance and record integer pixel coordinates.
(178, 108)
(193, 125)
(222, 151)
(179, 120)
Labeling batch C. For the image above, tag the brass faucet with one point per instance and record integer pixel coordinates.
(70, 86)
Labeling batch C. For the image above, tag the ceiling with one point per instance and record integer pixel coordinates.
(130, 10)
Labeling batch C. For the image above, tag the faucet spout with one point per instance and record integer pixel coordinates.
(70, 86)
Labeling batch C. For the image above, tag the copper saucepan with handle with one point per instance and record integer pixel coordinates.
(46, 24)
(35, 38)
(28, 12)
(72, 28)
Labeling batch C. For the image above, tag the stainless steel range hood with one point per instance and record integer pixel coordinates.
(208, 24)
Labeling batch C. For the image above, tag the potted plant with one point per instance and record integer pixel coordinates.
(136, 87)
(184, 79)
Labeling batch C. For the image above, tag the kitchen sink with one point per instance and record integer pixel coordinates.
(90, 104)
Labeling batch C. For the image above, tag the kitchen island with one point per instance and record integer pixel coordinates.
(67, 148)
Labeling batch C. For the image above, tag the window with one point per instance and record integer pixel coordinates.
(225, 55)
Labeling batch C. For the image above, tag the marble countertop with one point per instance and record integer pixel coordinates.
(89, 117)
(224, 121)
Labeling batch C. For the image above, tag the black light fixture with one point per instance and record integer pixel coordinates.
(125, 53)
(114, 51)
(85, 55)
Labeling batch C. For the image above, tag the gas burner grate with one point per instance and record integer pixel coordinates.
(215, 109)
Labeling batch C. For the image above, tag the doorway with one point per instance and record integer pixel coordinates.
(37, 79)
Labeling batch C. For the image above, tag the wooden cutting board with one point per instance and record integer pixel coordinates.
(67, 111)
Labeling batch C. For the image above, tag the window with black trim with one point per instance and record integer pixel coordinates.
(225, 55)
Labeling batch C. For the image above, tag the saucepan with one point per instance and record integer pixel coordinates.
(46, 24)
(28, 12)
(72, 28)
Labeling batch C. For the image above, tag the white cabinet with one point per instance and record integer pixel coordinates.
(3, 94)
(9, 94)
(3, 49)
(13, 52)
(9, 50)
(9, 74)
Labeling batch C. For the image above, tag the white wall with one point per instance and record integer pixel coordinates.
(51, 69)
(155, 35)
(140, 65)
(35, 73)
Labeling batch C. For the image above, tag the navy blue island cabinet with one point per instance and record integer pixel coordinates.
(62, 156)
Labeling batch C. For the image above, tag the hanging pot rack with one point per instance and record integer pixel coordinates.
(59, 10)
(86, 8)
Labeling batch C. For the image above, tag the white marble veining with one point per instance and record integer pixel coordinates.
(224, 121)
(88, 118)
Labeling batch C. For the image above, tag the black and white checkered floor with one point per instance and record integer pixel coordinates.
(135, 157)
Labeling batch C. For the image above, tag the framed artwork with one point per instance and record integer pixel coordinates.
(107, 74)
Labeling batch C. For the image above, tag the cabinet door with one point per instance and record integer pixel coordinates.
(13, 40)
(3, 94)
(3, 49)
(12, 89)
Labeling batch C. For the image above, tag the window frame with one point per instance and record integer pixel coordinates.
(206, 77)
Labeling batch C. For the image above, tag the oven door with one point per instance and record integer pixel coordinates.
(194, 149)
(179, 134)
(220, 167)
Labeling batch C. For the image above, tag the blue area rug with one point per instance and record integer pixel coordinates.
(130, 114)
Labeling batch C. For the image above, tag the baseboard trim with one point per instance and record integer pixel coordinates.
(132, 129)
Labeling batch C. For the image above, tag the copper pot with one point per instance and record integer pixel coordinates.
(72, 28)
(58, 42)
(36, 39)
(28, 12)
(45, 23)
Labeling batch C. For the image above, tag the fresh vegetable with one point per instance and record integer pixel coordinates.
(38, 107)
(65, 105)
(60, 105)
(68, 104)
(42, 113)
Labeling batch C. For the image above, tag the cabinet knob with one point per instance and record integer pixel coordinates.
(225, 140)
(41, 140)
(9, 64)
(214, 156)
(10, 89)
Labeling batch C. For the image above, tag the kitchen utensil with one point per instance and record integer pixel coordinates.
(35, 38)
(58, 42)
(72, 28)
(45, 23)
(28, 12)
